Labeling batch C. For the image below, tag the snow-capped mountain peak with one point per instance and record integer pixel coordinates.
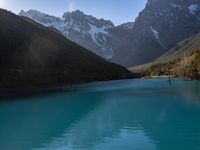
(193, 8)
(85, 30)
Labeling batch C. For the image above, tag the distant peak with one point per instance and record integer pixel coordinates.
(30, 11)
(89, 18)
(128, 25)
(22, 12)
(34, 11)
(78, 12)
(73, 13)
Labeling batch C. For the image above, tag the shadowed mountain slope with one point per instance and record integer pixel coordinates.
(32, 55)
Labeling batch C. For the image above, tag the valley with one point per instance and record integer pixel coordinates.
(181, 61)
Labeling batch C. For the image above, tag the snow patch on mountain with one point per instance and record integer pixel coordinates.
(156, 35)
(175, 5)
(95, 31)
(193, 8)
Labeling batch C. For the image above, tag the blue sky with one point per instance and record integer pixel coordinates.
(118, 11)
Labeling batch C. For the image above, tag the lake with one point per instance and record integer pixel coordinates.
(117, 115)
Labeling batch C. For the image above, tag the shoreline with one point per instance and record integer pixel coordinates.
(155, 77)
(40, 91)
(15, 94)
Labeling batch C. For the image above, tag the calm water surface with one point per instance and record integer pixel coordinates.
(122, 115)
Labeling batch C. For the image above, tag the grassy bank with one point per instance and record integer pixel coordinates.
(186, 66)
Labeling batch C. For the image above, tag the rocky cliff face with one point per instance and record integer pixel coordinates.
(158, 28)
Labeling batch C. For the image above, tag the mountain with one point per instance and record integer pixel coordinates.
(32, 55)
(85, 30)
(97, 35)
(183, 61)
(157, 29)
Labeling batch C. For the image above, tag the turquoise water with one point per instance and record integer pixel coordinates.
(122, 115)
